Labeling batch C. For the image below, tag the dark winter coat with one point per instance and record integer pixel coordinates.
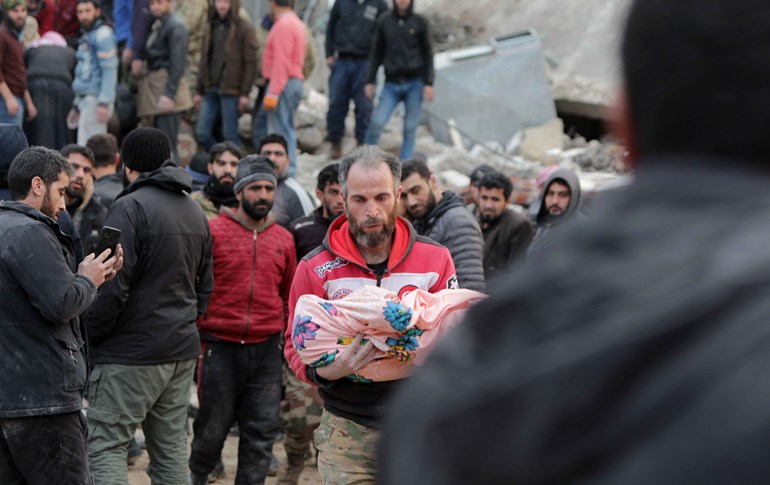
(451, 224)
(42, 353)
(146, 315)
(253, 269)
(89, 218)
(309, 232)
(351, 27)
(168, 51)
(240, 71)
(108, 188)
(402, 45)
(505, 240)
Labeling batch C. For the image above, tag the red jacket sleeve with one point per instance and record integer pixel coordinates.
(305, 282)
(447, 274)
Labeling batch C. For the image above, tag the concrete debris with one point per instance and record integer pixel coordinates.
(538, 142)
(598, 164)
(450, 32)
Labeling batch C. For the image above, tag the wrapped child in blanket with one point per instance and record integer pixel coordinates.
(404, 329)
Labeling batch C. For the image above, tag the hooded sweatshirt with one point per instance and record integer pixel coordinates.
(146, 314)
(335, 270)
(546, 222)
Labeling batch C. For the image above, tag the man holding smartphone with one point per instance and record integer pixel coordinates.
(42, 351)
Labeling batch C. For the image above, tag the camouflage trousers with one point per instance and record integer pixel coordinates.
(347, 451)
(300, 412)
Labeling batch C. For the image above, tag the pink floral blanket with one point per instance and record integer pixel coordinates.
(404, 329)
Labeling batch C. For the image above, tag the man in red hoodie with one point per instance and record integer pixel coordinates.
(368, 245)
(239, 373)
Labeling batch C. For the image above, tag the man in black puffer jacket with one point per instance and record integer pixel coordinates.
(142, 327)
(42, 352)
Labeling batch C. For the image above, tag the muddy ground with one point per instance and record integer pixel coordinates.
(137, 475)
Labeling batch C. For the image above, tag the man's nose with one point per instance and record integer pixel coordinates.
(372, 210)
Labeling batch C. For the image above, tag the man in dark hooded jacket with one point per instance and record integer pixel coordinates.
(559, 203)
(637, 352)
(445, 218)
(142, 327)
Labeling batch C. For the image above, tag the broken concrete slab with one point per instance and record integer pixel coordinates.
(538, 141)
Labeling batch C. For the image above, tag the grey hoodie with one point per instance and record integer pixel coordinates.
(545, 222)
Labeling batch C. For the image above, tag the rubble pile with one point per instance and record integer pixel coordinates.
(449, 32)
(528, 152)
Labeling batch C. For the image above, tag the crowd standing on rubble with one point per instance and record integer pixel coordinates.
(223, 265)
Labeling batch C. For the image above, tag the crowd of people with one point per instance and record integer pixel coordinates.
(210, 279)
(624, 346)
(117, 65)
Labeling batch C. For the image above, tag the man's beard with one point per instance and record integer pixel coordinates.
(74, 193)
(372, 239)
(47, 207)
(87, 26)
(329, 209)
(12, 25)
(430, 204)
(489, 218)
(257, 213)
(222, 188)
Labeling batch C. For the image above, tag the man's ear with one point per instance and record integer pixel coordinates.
(433, 183)
(622, 127)
(319, 194)
(117, 159)
(210, 167)
(37, 187)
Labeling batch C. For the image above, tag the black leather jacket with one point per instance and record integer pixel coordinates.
(42, 353)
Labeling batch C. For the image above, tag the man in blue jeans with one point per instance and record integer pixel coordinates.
(226, 72)
(403, 47)
(349, 36)
(282, 64)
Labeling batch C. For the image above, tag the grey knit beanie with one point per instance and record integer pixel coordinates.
(253, 168)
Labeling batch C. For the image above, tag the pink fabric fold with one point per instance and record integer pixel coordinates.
(405, 329)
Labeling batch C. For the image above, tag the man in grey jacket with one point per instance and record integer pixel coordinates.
(42, 351)
(444, 218)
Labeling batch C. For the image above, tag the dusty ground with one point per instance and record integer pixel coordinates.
(137, 475)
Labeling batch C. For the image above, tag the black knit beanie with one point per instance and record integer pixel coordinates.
(145, 149)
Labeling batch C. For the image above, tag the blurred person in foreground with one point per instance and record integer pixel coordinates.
(637, 349)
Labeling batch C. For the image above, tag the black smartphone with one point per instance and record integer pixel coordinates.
(108, 239)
